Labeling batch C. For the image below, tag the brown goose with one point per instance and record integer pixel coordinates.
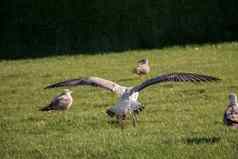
(142, 67)
(61, 102)
(128, 96)
(231, 112)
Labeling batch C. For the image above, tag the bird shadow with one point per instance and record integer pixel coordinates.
(167, 85)
(201, 140)
(194, 91)
(233, 87)
(115, 124)
(126, 79)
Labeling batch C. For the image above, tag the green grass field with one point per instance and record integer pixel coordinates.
(179, 120)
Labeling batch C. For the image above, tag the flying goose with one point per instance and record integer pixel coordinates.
(62, 101)
(231, 112)
(128, 96)
(142, 67)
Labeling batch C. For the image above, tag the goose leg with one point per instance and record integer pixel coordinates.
(136, 116)
(110, 119)
(133, 116)
(120, 121)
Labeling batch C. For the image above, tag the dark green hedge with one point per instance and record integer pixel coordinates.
(46, 27)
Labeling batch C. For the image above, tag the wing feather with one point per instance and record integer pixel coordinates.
(89, 81)
(174, 77)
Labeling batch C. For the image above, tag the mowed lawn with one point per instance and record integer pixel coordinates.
(180, 120)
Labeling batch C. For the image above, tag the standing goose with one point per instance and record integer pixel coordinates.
(142, 67)
(128, 96)
(231, 112)
(61, 102)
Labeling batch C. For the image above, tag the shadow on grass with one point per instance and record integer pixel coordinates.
(201, 140)
(233, 88)
(115, 124)
(194, 91)
(126, 79)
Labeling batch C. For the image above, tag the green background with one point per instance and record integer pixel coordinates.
(43, 28)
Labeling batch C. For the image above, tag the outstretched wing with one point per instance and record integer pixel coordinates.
(90, 81)
(174, 77)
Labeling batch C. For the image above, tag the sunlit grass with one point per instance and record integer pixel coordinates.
(179, 121)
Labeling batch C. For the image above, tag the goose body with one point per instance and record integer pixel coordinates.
(60, 102)
(142, 67)
(231, 112)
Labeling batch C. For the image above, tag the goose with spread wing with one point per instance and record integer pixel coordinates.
(128, 103)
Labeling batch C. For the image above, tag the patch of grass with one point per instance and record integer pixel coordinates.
(179, 120)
